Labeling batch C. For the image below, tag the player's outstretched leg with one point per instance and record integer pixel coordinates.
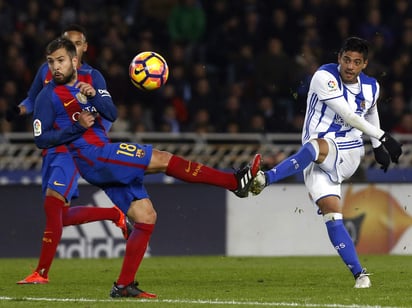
(295, 163)
(77, 215)
(194, 172)
(124, 223)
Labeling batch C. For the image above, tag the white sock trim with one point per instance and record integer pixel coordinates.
(332, 216)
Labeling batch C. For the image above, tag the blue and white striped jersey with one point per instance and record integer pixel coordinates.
(330, 102)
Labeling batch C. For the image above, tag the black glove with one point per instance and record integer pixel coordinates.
(393, 147)
(382, 157)
(12, 113)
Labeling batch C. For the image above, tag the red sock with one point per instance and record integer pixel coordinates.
(194, 172)
(52, 233)
(77, 215)
(135, 248)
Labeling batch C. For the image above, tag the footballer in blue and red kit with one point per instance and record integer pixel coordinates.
(117, 168)
(59, 172)
(63, 180)
(70, 110)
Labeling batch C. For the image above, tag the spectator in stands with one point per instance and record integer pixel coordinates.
(275, 117)
(141, 118)
(373, 25)
(276, 74)
(122, 123)
(169, 122)
(232, 113)
(27, 27)
(256, 123)
(187, 24)
(202, 123)
(404, 126)
(203, 97)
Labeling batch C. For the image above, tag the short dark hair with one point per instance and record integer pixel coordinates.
(356, 44)
(61, 42)
(77, 28)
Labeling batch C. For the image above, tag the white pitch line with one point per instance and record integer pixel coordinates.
(188, 301)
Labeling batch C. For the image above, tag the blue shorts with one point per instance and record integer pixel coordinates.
(59, 173)
(117, 168)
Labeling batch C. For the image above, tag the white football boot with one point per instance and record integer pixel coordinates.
(258, 183)
(363, 281)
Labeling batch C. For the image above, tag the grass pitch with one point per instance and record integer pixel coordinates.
(213, 282)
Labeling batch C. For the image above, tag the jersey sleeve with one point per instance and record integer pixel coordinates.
(340, 107)
(373, 117)
(103, 100)
(45, 135)
(325, 85)
(35, 88)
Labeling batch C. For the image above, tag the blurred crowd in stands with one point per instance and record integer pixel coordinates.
(235, 66)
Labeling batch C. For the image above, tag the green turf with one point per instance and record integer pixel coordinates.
(213, 282)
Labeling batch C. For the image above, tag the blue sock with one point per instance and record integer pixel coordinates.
(343, 243)
(293, 164)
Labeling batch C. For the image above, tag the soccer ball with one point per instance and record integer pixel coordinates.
(148, 71)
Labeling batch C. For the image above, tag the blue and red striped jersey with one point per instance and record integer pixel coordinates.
(42, 78)
(57, 108)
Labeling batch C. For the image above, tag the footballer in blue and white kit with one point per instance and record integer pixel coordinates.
(341, 107)
(330, 97)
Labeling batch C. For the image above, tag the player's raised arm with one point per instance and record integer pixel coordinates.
(340, 106)
(99, 96)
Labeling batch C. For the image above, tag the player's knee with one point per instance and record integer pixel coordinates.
(52, 193)
(322, 146)
(159, 161)
(142, 211)
(329, 205)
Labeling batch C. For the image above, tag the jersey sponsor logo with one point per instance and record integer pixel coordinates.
(339, 121)
(92, 109)
(58, 184)
(37, 127)
(69, 102)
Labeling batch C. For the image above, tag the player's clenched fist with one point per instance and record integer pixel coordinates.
(86, 119)
(86, 89)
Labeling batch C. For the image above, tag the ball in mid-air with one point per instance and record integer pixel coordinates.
(148, 71)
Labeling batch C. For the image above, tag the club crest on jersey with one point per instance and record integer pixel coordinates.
(140, 153)
(332, 85)
(81, 98)
(363, 105)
